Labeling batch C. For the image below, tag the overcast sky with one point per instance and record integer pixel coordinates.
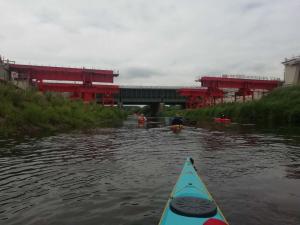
(153, 42)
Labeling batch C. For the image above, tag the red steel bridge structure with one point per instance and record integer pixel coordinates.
(85, 84)
(214, 88)
(81, 82)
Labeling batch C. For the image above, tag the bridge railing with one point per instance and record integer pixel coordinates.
(155, 87)
(241, 76)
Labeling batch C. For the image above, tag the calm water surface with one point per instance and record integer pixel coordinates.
(124, 175)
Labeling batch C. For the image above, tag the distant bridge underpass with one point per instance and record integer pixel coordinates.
(156, 97)
(144, 95)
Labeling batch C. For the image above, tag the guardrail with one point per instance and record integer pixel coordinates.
(241, 76)
(155, 87)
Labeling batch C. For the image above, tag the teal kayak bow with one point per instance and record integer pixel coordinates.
(190, 202)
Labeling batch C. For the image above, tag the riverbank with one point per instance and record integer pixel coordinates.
(281, 107)
(30, 112)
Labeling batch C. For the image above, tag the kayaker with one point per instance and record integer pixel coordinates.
(177, 120)
(142, 118)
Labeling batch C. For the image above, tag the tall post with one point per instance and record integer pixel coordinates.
(161, 106)
(154, 109)
(120, 105)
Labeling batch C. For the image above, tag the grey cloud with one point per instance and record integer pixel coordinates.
(258, 67)
(165, 42)
(140, 72)
(48, 16)
(250, 6)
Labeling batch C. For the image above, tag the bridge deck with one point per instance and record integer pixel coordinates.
(149, 94)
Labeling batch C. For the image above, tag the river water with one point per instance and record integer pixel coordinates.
(124, 175)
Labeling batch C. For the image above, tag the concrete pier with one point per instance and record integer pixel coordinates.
(292, 71)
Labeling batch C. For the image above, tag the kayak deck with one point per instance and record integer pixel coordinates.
(187, 195)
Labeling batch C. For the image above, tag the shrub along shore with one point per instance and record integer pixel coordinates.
(30, 112)
(279, 107)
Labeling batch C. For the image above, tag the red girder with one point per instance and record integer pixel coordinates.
(193, 92)
(244, 92)
(87, 93)
(63, 73)
(201, 97)
(212, 91)
(87, 90)
(224, 82)
(59, 87)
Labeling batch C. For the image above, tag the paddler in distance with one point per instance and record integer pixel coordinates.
(177, 123)
(177, 120)
(142, 119)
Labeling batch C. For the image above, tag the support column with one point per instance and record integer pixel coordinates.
(88, 97)
(75, 95)
(183, 106)
(154, 108)
(120, 105)
(161, 106)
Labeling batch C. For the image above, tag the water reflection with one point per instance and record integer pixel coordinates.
(124, 175)
(293, 171)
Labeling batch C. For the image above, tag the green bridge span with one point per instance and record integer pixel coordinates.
(145, 95)
(154, 96)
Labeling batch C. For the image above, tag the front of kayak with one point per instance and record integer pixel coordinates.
(190, 203)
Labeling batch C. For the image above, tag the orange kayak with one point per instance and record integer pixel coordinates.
(176, 128)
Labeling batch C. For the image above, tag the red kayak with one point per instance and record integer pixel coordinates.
(222, 120)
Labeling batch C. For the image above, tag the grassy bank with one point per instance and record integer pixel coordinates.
(172, 111)
(25, 112)
(280, 107)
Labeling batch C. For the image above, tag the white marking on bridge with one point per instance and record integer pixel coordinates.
(157, 87)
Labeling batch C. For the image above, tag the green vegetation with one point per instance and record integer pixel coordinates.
(280, 107)
(31, 112)
(132, 109)
(170, 111)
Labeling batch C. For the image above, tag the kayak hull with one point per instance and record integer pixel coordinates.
(189, 184)
(176, 128)
(222, 120)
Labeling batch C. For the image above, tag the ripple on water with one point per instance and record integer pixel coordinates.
(124, 176)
